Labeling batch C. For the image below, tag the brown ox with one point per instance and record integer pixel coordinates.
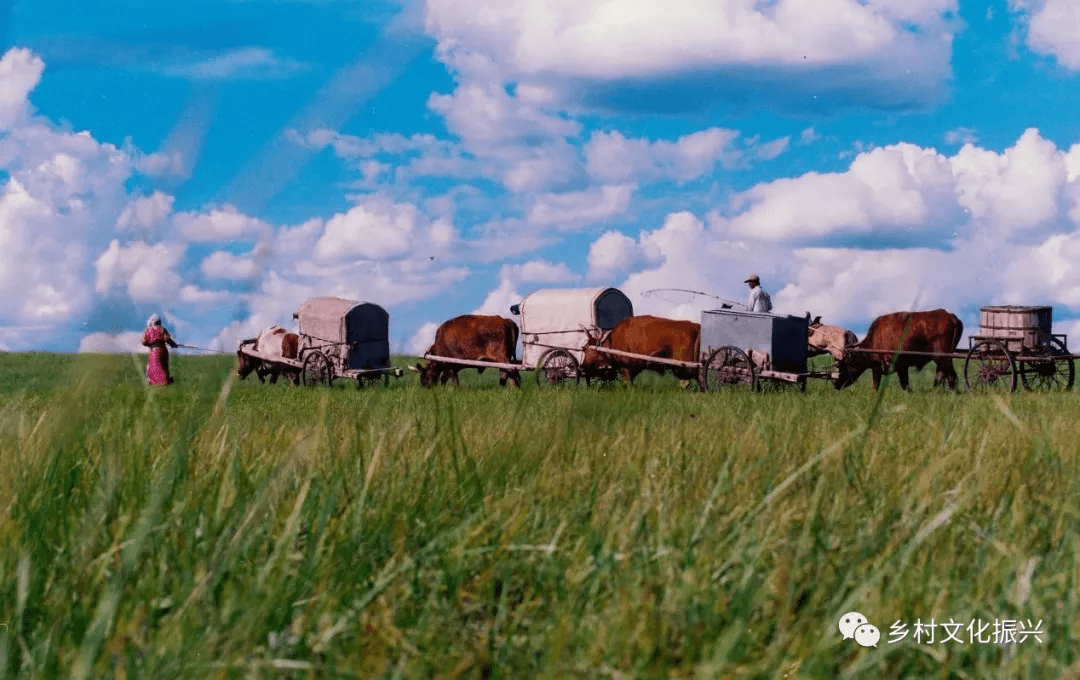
(476, 338)
(274, 343)
(650, 336)
(936, 332)
(825, 339)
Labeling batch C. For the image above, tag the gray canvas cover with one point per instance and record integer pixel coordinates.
(357, 334)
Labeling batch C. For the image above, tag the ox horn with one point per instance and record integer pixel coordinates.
(414, 368)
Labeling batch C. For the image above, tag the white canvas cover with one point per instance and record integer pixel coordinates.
(558, 318)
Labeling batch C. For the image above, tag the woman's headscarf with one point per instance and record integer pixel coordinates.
(154, 320)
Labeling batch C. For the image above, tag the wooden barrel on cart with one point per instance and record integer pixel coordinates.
(1018, 327)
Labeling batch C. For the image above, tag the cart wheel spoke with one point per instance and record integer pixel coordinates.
(990, 367)
(558, 367)
(317, 369)
(1053, 371)
(729, 368)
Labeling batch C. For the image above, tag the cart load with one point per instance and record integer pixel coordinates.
(1019, 328)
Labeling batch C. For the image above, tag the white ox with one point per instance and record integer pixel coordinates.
(273, 343)
(833, 340)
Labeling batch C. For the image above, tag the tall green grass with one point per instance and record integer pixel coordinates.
(217, 528)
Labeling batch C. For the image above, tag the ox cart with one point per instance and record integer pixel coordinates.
(756, 351)
(555, 326)
(765, 352)
(1015, 346)
(338, 338)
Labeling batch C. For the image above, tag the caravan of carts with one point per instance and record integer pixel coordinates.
(739, 350)
(554, 331)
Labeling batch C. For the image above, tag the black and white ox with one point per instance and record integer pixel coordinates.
(274, 343)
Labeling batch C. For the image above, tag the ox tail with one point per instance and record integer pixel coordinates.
(959, 333)
(512, 340)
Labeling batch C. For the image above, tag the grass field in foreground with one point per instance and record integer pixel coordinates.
(230, 529)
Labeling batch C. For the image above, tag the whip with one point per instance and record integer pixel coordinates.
(696, 292)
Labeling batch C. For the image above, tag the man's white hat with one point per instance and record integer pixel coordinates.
(752, 277)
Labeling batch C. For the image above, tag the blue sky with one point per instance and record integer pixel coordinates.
(220, 162)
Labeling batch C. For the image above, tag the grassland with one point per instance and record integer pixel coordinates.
(229, 529)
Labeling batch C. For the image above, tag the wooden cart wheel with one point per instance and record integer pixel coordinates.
(557, 367)
(989, 367)
(1053, 371)
(317, 369)
(729, 368)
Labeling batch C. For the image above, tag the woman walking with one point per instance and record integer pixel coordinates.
(156, 337)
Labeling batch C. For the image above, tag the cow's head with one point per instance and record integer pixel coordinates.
(428, 374)
(850, 368)
(593, 362)
(247, 363)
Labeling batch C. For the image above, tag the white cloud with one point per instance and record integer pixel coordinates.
(578, 209)
(39, 269)
(611, 254)
(537, 271)
(107, 343)
(378, 229)
(222, 264)
(610, 39)
(611, 157)
(1053, 28)
(839, 45)
(423, 339)
(487, 114)
(219, 224)
(771, 150)
(499, 300)
(515, 139)
(20, 72)
(200, 296)
(889, 187)
(1013, 191)
(145, 213)
(144, 272)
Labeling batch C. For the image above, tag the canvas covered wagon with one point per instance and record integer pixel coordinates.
(344, 339)
(555, 325)
(337, 338)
